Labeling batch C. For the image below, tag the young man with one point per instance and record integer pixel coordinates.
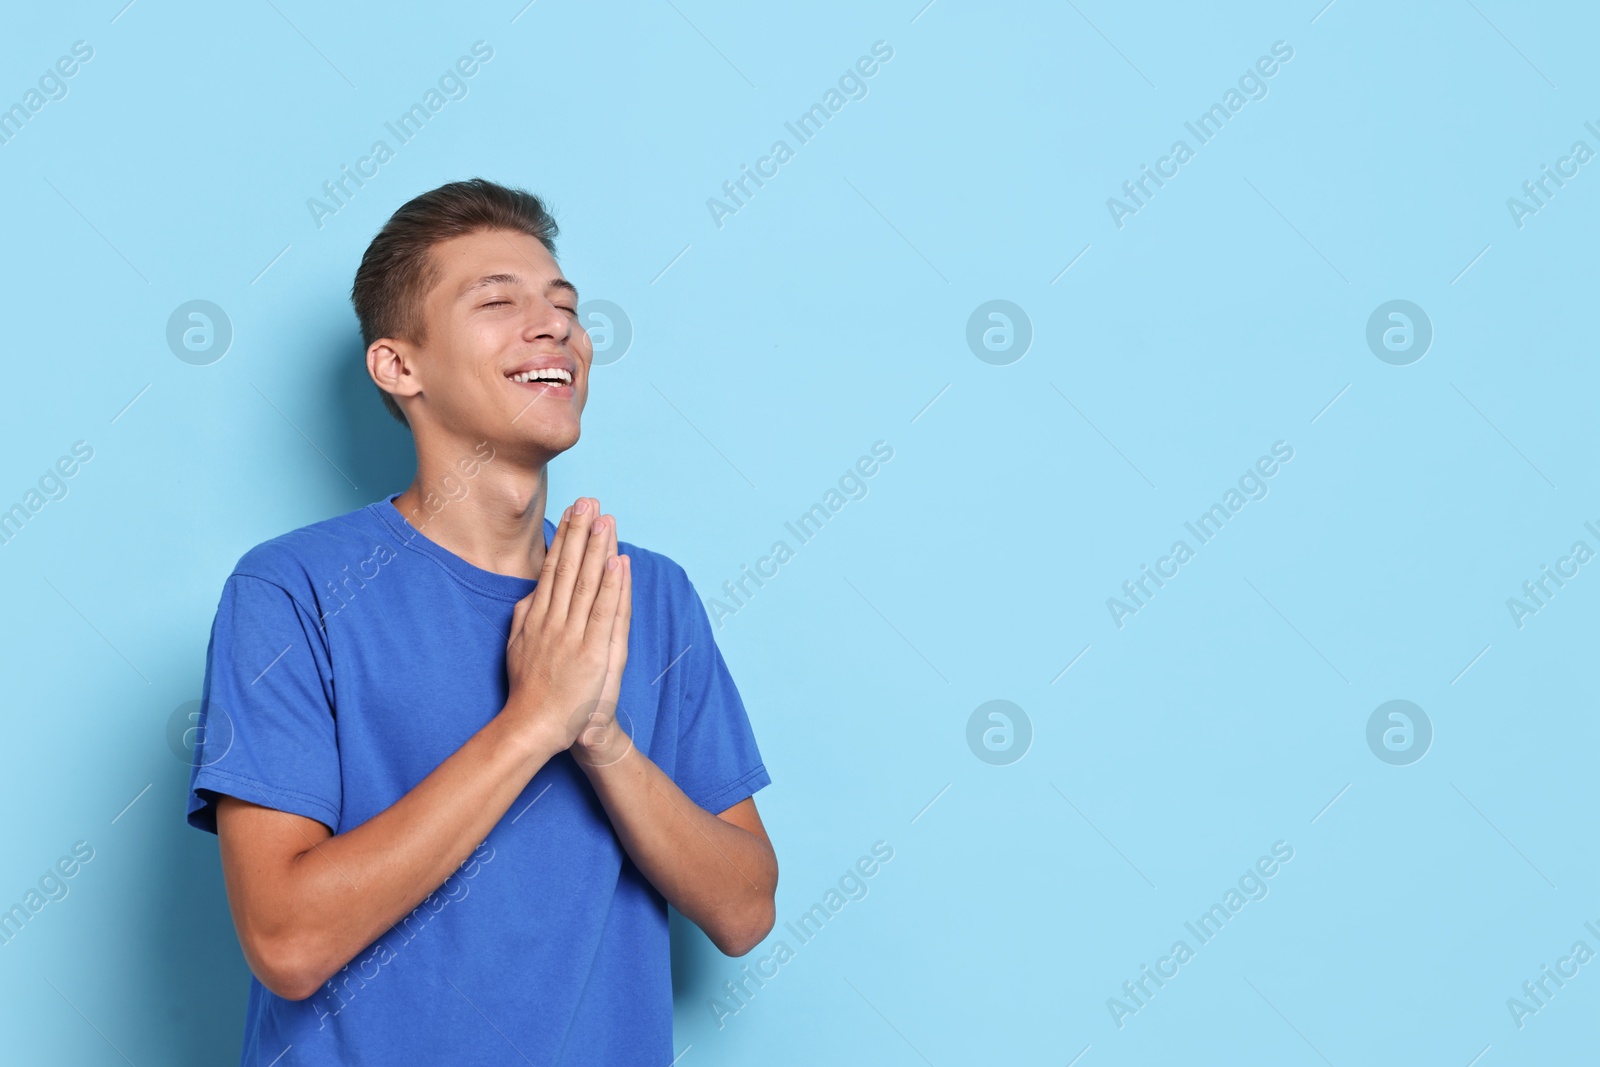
(450, 820)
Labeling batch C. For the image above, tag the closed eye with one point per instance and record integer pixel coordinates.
(507, 303)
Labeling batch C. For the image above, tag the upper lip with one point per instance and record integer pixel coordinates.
(545, 363)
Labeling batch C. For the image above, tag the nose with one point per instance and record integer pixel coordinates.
(548, 321)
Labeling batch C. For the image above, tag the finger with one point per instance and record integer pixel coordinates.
(606, 620)
(591, 573)
(625, 609)
(547, 570)
(617, 653)
(570, 560)
(519, 611)
(624, 618)
(597, 634)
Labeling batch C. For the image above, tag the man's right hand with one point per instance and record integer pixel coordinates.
(556, 657)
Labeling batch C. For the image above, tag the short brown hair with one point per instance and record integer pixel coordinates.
(398, 270)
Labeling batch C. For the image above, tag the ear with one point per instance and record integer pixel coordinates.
(391, 364)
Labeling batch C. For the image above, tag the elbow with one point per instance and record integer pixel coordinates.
(756, 915)
(289, 987)
(295, 985)
(736, 938)
(282, 969)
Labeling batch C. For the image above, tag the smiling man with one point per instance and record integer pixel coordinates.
(456, 777)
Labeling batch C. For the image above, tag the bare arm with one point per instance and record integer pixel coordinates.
(719, 871)
(305, 901)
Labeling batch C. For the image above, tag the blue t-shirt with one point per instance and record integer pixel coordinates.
(348, 659)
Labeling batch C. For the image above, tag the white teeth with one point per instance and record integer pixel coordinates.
(552, 374)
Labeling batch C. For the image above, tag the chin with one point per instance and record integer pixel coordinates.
(550, 439)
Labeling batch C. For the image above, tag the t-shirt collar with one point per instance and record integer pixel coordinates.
(489, 583)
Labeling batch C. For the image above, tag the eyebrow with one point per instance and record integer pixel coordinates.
(513, 279)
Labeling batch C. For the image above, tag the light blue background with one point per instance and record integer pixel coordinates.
(773, 352)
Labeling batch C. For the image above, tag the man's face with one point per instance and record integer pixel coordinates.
(499, 310)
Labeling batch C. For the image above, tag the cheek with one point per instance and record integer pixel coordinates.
(483, 351)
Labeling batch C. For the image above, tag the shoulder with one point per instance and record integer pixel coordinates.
(654, 567)
(659, 581)
(297, 561)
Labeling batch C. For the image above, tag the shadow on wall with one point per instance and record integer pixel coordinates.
(191, 933)
(693, 961)
(196, 983)
(369, 445)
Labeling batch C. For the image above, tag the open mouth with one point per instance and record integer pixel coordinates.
(542, 376)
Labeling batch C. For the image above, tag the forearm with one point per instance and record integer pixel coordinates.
(720, 876)
(344, 891)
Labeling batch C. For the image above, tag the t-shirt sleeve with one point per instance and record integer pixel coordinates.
(718, 761)
(266, 728)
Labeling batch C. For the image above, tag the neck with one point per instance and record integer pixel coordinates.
(477, 503)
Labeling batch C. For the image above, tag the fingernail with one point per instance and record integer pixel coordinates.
(580, 507)
(599, 527)
(565, 515)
